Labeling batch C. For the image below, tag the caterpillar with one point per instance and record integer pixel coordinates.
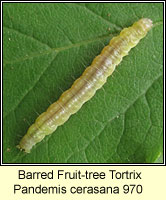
(85, 87)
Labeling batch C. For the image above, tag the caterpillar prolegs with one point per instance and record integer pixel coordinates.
(85, 87)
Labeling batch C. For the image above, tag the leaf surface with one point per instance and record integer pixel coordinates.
(46, 47)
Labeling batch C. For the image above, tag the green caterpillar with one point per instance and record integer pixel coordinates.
(85, 87)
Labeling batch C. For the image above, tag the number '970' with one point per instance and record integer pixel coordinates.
(132, 188)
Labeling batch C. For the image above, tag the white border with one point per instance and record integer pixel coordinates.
(63, 164)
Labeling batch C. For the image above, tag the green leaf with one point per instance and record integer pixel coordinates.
(46, 47)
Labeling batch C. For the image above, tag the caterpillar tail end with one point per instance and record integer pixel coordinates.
(22, 149)
(26, 143)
